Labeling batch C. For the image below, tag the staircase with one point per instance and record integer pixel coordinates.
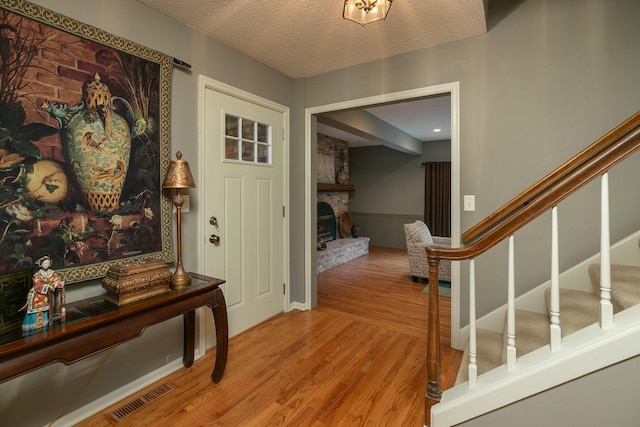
(586, 347)
(579, 309)
(553, 334)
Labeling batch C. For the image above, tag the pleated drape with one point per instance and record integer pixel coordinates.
(437, 198)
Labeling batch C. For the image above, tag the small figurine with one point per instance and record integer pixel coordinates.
(45, 298)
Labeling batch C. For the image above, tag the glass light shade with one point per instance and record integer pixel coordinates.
(178, 174)
(366, 11)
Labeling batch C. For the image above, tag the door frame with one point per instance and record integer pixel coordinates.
(205, 83)
(310, 256)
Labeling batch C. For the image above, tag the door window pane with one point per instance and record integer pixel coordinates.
(248, 129)
(263, 133)
(231, 125)
(231, 149)
(247, 141)
(264, 153)
(248, 151)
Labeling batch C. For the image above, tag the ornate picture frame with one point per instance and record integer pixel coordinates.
(84, 142)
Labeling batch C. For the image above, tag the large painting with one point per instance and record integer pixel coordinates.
(84, 142)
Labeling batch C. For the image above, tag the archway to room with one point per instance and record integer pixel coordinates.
(450, 89)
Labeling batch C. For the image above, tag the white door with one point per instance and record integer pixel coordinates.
(243, 168)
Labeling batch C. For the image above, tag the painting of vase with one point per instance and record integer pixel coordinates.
(96, 142)
(85, 122)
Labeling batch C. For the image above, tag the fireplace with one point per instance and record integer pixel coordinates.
(326, 222)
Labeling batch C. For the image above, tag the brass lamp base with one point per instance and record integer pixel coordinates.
(180, 278)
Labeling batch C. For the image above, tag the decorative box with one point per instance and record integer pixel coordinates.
(127, 283)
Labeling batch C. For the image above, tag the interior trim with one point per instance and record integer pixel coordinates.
(453, 89)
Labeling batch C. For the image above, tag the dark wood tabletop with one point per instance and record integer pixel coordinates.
(94, 324)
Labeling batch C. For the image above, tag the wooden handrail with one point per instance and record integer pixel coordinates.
(547, 183)
(588, 165)
(582, 175)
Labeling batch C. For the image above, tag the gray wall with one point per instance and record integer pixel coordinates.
(548, 79)
(390, 189)
(602, 398)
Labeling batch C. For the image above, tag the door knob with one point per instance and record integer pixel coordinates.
(213, 221)
(214, 239)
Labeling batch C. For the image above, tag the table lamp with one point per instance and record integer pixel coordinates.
(179, 177)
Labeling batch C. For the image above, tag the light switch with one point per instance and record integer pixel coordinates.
(469, 203)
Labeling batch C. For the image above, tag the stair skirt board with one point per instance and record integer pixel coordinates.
(583, 352)
(585, 346)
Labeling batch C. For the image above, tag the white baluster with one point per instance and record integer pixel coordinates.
(511, 310)
(473, 351)
(606, 308)
(554, 312)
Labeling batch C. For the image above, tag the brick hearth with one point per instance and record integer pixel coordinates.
(341, 251)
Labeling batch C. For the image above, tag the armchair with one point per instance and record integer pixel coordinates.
(418, 237)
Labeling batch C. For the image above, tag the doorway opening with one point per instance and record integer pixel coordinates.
(451, 89)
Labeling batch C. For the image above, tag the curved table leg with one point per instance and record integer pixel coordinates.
(219, 310)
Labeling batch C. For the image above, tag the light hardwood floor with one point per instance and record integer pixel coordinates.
(359, 358)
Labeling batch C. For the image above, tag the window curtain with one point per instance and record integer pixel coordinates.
(437, 198)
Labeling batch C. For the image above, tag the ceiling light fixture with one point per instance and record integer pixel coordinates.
(366, 11)
(437, 130)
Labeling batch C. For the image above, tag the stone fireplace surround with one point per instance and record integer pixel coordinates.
(339, 250)
(333, 154)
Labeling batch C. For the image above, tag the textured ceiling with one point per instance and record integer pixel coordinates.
(303, 38)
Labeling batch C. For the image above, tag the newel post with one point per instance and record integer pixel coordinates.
(434, 389)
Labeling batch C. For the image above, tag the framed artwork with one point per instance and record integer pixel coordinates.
(84, 142)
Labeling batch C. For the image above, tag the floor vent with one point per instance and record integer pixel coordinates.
(140, 402)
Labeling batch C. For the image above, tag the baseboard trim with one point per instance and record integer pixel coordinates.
(298, 306)
(582, 353)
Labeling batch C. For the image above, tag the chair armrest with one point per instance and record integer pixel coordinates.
(442, 241)
(419, 265)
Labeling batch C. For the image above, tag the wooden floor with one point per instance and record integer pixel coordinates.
(359, 358)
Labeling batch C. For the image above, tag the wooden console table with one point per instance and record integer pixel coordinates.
(93, 325)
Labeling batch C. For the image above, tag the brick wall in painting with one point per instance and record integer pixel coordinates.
(60, 64)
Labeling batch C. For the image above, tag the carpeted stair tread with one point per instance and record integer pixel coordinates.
(489, 347)
(625, 284)
(532, 332)
(578, 309)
